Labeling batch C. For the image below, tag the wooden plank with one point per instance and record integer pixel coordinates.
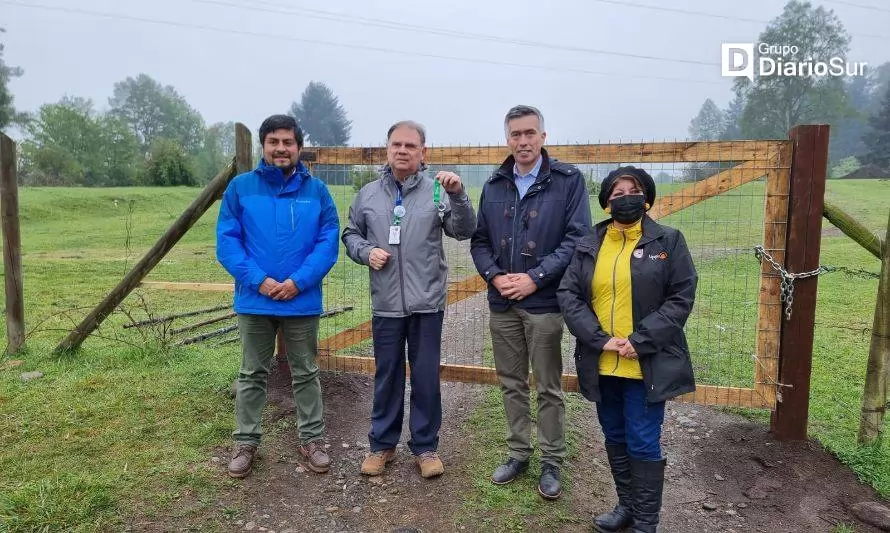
(457, 291)
(577, 154)
(874, 395)
(712, 395)
(708, 188)
(805, 207)
(769, 310)
(243, 149)
(187, 286)
(186, 220)
(12, 246)
(853, 228)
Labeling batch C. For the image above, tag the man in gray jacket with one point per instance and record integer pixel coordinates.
(395, 227)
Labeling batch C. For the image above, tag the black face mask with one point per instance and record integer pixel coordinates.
(628, 208)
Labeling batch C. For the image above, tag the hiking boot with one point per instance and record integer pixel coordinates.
(430, 464)
(508, 471)
(549, 485)
(242, 462)
(316, 458)
(374, 464)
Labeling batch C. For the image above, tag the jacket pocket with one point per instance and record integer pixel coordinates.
(587, 368)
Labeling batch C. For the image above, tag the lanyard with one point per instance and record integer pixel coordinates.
(399, 210)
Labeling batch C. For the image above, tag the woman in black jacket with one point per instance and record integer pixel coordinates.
(625, 297)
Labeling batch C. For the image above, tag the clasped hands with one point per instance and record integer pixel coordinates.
(279, 291)
(622, 346)
(514, 286)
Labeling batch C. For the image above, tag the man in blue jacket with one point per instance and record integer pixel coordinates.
(532, 213)
(277, 236)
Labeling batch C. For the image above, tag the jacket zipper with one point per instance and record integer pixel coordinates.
(293, 226)
(515, 230)
(399, 251)
(615, 291)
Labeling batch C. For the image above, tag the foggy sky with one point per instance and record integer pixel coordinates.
(249, 75)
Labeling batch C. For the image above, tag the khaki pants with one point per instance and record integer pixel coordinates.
(519, 337)
(258, 333)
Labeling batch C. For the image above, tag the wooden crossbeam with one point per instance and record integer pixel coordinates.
(731, 396)
(683, 152)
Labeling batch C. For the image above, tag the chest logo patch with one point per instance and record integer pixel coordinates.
(662, 256)
(638, 253)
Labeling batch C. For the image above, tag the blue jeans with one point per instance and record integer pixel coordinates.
(422, 332)
(627, 418)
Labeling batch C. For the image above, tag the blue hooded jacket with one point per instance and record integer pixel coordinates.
(281, 229)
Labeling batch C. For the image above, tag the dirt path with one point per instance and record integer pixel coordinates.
(725, 474)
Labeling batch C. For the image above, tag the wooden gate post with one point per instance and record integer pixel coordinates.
(807, 194)
(207, 197)
(12, 246)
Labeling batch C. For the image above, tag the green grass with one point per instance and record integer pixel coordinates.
(125, 428)
(513, 507)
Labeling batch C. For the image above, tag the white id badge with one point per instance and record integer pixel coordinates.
(395, 234)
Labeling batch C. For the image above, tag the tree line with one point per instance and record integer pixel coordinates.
(147, 135)
(856, 107)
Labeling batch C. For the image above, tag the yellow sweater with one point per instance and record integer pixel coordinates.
(612, 296)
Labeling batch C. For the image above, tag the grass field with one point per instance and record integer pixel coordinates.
(124, 426)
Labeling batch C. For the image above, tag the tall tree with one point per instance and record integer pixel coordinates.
(732, 116)
(774, 104)
(8, 114)
(68, 143)
(321, 116)
(877, 139)
(217, 150)
(709, 124)
(157, 112)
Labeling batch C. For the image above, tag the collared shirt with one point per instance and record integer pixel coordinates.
(524, 182)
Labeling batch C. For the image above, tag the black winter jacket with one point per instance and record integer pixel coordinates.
(535, 235)
(663, 281)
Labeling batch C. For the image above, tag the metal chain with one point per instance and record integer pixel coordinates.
(787, 277)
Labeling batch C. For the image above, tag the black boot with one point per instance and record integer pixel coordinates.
(648, 486)
(621, 516)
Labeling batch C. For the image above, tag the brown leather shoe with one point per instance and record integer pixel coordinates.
(375, 464)
(316, 458)
(430, 464)
(242, 462)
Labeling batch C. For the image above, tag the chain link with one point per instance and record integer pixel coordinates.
(787, 277)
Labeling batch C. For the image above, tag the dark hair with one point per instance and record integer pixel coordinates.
(408, 124)
(520, 111)
(281, 122)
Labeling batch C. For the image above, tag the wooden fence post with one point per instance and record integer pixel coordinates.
(807, 194)
(186, 220)
(12, 246)
(874, 396)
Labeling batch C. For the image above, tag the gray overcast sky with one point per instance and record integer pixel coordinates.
(260, 71)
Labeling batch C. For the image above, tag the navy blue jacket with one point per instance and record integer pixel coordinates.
(536, 234)
(269, 227)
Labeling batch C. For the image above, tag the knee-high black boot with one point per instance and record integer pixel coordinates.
(648, 486)
(621, 516)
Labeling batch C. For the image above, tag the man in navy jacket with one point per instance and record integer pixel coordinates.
(277, 235)
(532, 213)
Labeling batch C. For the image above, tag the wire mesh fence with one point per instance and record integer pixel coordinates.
(726, 197)
(716, 193)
